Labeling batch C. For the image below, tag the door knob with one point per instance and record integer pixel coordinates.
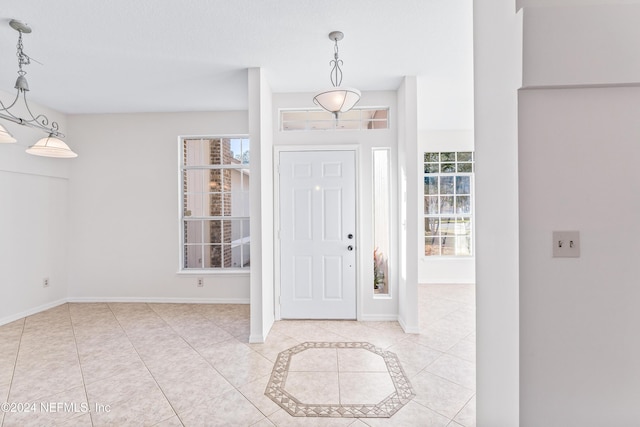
(349, 236)
(349, 248)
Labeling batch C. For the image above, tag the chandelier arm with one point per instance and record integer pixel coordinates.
(6, 109)
(336, 72)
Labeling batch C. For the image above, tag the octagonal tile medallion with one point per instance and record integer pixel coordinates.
(372, 384)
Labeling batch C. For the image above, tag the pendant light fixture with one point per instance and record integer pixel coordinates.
(337, 99)
(51, 146)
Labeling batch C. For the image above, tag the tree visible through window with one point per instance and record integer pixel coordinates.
(215, 182)
(448, 184)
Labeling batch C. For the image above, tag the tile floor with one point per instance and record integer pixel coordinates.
(122, 364)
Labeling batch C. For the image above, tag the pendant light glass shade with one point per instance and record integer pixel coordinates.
(337, 99)
(51, 147)
(5, 136)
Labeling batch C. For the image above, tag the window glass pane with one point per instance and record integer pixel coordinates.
(463, 204)
(246, 256)
(194, 181)
(212, 231)
(374, 124)
(212, 256)
(246, 145)
(193, 231)
(465, 156)
(193, 256)
(431, 168)
(448, 167)
(463, 185)
(432, 246)
(465, 167)
(321, 125)
(448, 246)
(431, 205)
(211, 149)
(215, 180)
(289, 116)
(446, 184)
(448, 157)
(462, 246)
(446, 204)
(431, 226)
(431, 157)
(381, 220)
(236, 256)
(431, 185)
(194, 205)
(193, 152)
(215, 205)
(447, 226)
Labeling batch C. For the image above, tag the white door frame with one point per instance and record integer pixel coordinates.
(276, 215)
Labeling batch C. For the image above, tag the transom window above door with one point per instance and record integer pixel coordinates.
(214, 183)
(359, 118)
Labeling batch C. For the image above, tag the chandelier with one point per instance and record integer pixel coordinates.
(49, 146)
(337, 99)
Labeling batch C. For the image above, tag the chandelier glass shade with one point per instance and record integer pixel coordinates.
(50, 146)
(337, 99)
(5, 136)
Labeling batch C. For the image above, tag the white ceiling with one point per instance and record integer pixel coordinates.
(192, 55)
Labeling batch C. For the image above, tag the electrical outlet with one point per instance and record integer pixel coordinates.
(566, 244)
(45, 282)
(200, 282)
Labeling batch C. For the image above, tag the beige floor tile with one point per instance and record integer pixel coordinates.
(305, 387)
(360, 360)
(254, 392)
(50, 410)
(130, 400)
(465, 349)
(33, 381)
(202, 334)
(192, 386)
(230, 409)
(315, 360)
(274, 344)
(364, 387)
(171, 422)
(467, 416)
(245, 369)
(414, 354)
(410, 415)
(225, 351)
(283, 419)
(263, 423)
(439, 394)
(4, 397)
(454, 369)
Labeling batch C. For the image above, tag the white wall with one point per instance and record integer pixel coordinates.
(433, 269)
(579, 350)
(123, 212)
(34, 195)
(261, 134)
(497, 71)
(410, 204)
(371, 308)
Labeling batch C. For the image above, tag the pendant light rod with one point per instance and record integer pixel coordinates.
(337, 99)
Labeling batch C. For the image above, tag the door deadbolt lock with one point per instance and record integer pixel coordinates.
(349, 236)
(349, 248)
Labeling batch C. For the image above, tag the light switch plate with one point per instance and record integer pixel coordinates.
(566, 244)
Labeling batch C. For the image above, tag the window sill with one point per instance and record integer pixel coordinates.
(221, 272)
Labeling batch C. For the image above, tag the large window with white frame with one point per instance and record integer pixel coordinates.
(448, 203)
(214, 182)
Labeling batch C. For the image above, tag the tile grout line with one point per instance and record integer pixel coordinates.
(15, 363)
(75, 341)
(143, 362)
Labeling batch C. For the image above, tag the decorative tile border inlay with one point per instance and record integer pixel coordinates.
(387, 407)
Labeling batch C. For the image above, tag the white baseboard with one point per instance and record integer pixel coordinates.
(31, 311)
(256, 339)
(407, 329)
(162, 300)
(378, 318)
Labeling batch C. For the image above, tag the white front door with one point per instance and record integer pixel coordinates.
(317, 235)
